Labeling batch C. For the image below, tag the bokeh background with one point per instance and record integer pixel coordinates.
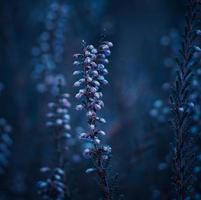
(146, 40)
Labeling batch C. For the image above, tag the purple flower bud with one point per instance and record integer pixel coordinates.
(198, 49)
(59, 110)
(42, 184)
(93, 57)
(102, 132)
(87, 60)
(66, 95)
(83, 135)
(93, 64)
(80, 94)
(104, 47)
(50, 115)
(87, 153)
(95, 73)
(105, 157)
(87, 53)
(66, 135)
(77, 55)
(67, 117)
(101, 103)
(105, 61)
(76, 63)
(94, 51)
(93, 89)
(101, 56)
(107, 53)
(59, 121)
(77, 84)
(90, 47)
(90, 170)
(67, 127)
(96, 83)
(104, 81)
(79, 107)
(92, 126)
(65, 102)
(102, 120)
(77, 72)
(198, 32)
(101, 67)
(89, 79)
(97, 106)
(110, 44)
(107, 149)
(90, 113)
(105, 71)
(97, 140)
(181, 109)
(51, 105)
(59, 171)
(97, 95)
(44, 169)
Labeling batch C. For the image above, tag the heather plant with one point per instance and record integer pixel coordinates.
(92, 70)
(182, 109)
(141, 149)
(161, 110)
(48, 55)
(55, 186)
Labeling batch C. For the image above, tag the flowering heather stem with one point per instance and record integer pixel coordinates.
(93, 63)
(184, 155)
(55, 187)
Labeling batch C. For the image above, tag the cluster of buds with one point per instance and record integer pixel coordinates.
(58, 115)
(92, 69)
(58, 120)
(53, 186)
(5, 143)
(92, 63)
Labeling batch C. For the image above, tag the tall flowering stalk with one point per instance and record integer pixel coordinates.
(182, 107)
(55, 187)
(92, 63)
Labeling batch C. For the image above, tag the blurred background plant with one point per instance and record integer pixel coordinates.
(48, 55)
(56, 184)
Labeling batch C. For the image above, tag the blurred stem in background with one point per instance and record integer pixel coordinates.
(182, 110)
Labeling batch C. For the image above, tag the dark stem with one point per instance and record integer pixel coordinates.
(180, 99)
